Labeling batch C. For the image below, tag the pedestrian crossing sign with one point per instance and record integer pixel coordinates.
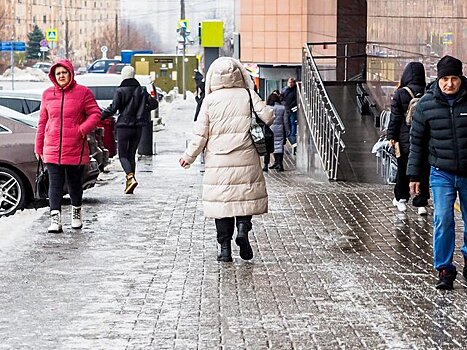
(51, 34)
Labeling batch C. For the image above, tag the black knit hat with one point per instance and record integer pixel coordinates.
(449, 65)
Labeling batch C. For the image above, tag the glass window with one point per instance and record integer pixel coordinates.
(14, 104)
(33, 106)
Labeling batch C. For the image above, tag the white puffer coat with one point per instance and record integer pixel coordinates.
(233, 183)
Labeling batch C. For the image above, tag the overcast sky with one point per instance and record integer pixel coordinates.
(164, 16)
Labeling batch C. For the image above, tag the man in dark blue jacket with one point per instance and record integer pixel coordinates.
(289, 95)
(439, 136)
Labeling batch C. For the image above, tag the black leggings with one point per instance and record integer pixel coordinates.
(225, 227)
(402, 190)
(128, 141)
(58, 174)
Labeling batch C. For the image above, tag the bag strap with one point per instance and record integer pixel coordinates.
(406, 88)
(252, 110)
(40, 165)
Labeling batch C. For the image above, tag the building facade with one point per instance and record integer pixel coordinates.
(78, 22)
(274, 32)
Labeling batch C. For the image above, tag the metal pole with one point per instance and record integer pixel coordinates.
(345, 72)
(183, 69)
(183, 32)
(12, 60)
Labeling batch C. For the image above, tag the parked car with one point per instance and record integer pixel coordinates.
(43, 66)
(116, 68)
(81, 71)
(23, 101)
(29, 102)
(18, 163)
(101, 65)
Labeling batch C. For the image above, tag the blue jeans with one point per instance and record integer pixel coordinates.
(445, 187)
(293, 127)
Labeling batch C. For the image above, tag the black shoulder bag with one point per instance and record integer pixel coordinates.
(41, 186)
(261, 134)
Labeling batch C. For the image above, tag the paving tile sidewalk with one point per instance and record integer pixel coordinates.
(335, 267)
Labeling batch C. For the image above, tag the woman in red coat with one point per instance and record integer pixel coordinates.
(68, 113)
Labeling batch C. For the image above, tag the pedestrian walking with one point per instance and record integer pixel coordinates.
(281, 130)
(198, 77)
(133, 104)
(439, 137)
(199, 97)
(412, 83)
(234, 188)
(68, 113)
(289, 95)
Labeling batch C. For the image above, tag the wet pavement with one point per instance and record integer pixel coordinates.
(335, 267)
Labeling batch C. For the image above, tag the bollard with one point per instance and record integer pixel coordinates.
(145, 144)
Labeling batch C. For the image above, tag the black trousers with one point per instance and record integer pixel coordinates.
(128, 141)
(225, 227)
(402, 190)
(58, 174)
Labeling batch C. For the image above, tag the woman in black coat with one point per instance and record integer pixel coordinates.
(398, 134)
(133, 103)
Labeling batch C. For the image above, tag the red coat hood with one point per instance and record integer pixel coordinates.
(69, 67)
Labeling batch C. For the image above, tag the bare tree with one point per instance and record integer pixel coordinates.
(130, 37)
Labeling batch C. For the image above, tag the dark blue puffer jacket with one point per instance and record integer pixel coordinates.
(439, 133)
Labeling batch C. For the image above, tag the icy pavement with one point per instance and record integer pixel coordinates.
(335, 267)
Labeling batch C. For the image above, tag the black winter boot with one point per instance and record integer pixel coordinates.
(246, 253)
(446, 279)
(226, 252)
(276, 164)
(280, 162)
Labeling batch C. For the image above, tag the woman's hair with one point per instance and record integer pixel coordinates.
(273, 98)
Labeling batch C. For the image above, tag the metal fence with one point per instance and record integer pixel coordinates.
(322, 119)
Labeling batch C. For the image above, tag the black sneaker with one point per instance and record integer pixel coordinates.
(464, 272)
(446, 279)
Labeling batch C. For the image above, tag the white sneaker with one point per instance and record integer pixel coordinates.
(422, 211)
(400, 204)
(55, 222)
(76, 222)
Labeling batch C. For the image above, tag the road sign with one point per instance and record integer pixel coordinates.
(43, 43)
(19, 46)
(183, 23)
(6, 46)
(43, 49)
(104, 49)
(13, 46)
(51, 34)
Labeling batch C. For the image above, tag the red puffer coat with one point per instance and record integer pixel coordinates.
(67, 115)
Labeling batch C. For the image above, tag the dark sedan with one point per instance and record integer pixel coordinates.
(18, 163)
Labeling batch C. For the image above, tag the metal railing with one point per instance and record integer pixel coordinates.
(386, 162)
(321, 117)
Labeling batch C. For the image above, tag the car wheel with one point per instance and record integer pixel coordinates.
(12, 192)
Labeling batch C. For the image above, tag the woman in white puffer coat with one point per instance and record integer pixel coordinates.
(234, 188)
